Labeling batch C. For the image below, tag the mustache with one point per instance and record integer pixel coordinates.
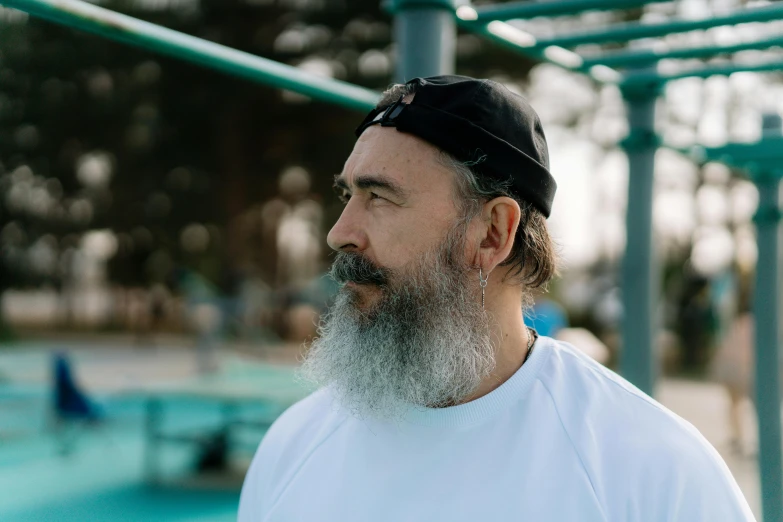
(354, 267)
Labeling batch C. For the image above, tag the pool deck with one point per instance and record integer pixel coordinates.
(102, 479)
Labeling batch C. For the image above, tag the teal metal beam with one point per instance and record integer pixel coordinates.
(767, 315)
(648, 56)
(426, 35)
(742, 154)
(510, 37)
(764, 156)
(129, 30)
(634, 30)
(523, 43)
(651, 77)
(511, 10)
(767, 320)
(640, 279)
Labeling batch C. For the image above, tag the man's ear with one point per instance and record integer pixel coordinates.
(497, 230)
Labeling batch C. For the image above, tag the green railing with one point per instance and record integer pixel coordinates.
(641, 57)
(511, 10)
(603, 67)
(636, 30)
(129, 30)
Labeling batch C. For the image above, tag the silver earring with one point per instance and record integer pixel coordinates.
(483, 284)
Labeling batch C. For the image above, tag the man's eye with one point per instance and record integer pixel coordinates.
(373, 195)
(344, 197)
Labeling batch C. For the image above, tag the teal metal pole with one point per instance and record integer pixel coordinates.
(513, 39)
(769, 150)
(524, 43)
(767, 313)
(129, 30)
(426, 37)
(639, 280)
(642, 78)
(648, 56)
(634, 30)
(511, 10)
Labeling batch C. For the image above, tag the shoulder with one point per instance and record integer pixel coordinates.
(288, 443)
(640, 456)
(591, 397)
(303, 421)
(300, 428)
(585, 391)
(574, 381)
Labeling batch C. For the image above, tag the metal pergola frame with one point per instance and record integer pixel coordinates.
(425, 31)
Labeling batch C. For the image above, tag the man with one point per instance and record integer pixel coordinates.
(438, 404)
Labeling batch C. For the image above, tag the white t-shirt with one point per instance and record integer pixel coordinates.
(564, 439)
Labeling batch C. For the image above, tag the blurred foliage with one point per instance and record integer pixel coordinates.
(99, 135)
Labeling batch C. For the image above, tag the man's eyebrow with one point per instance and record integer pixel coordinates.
(339, 183)
(372, 181)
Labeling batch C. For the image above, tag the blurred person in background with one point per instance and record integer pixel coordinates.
(152, 314)
(697, 323)
(732, 367)
(437, 402)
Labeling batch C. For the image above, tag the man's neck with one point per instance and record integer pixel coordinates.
(511, 338)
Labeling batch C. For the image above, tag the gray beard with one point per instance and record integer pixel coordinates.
(425, 342)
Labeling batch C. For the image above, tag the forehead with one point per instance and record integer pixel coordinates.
(410, 161)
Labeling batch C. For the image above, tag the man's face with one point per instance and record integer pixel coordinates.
(399, 202)
(408, 327)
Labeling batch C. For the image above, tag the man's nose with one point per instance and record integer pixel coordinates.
(348, 234)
